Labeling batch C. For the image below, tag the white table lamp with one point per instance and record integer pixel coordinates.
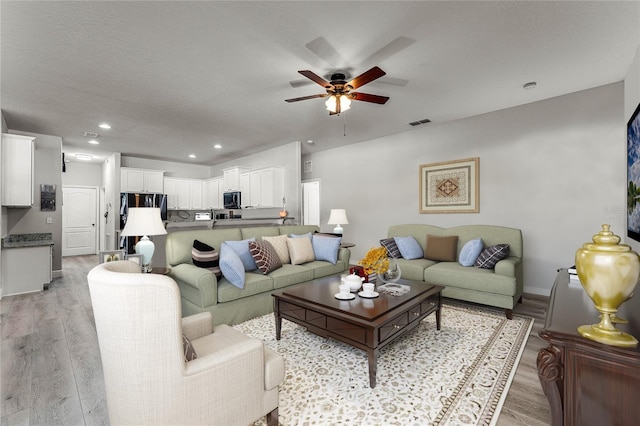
(144, 221)
(338, 217)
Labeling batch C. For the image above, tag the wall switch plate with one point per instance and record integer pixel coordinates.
(49, 220)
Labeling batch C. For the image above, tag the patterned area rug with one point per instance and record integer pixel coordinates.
(459, 375)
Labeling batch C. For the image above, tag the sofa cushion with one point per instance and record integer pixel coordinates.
(231, 265)
(300, 250)
(205, 256)
(242, 248)
(279, 244)
(492, 255)
(439, 248)
(470, 252)
(307, 235)
(392, 248)
(409, 247)
(326, 248)
(265, 256)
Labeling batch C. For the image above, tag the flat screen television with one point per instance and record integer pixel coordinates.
(633, 175)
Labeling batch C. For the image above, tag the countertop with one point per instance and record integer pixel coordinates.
(27, 240)
(221, 223)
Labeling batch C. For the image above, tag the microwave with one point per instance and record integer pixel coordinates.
(231, 200)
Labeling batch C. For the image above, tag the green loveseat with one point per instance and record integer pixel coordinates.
(201, 291)
(501, 286)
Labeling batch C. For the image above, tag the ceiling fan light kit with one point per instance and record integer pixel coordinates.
(340, 92)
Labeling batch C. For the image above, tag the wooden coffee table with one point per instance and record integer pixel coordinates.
(367, 324)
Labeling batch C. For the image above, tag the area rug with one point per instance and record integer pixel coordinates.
(459, 375)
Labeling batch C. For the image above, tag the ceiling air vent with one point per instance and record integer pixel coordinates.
(419, 122)
(90, 135)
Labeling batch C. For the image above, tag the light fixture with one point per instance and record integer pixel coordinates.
(83, 157)
(332, 103)
(217, 146)
(104, 126)
(94, 142)
(530, 85)
(338, 217)
(192, 156)
(144, 221)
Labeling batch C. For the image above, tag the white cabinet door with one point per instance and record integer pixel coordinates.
(154, 181)
(245, 189)
(17, 170)
(232, 178)
(212, 193)
(170, 188)
(195, 194)
(131, 180)
(267, 186)
(255, 188)
(183, 194)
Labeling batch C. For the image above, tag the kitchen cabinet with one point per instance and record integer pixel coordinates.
(26, 269)
(266, 187)
(141, 180)
(212, 193)
(245, 189)
(184, 193)
(196, 200)
(231, 178)
(18, 156)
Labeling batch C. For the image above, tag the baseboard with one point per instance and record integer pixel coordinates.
(56, 273)
(540, 291)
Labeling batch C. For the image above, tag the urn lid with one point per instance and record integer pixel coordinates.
(605, 240)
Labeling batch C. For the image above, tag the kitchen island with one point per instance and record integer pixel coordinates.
(26, 263)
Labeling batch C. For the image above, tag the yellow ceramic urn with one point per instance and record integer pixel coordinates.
(609, 272)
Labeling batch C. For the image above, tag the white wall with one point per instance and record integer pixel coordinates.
(111, 182)
(83, 174)
(554, 168)
(192, 171)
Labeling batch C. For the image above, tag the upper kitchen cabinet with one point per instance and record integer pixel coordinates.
(231, 178)
(212, 193)
(141, 180)
(17, 170)
(266, 187)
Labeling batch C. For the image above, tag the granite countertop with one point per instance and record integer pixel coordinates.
(27, 240)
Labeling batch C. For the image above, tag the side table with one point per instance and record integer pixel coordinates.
(160, 270)
(586, 382)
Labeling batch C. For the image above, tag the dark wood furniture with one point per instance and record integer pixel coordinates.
(586, 382)
(367, 324)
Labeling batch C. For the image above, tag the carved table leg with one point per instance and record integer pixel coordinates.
(551, 375)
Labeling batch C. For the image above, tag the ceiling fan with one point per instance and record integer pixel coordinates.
(340, 92)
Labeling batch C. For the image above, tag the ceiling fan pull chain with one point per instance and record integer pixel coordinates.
(344, 124)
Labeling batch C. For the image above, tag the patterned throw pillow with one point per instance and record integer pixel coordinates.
(279, 244)
(392, 248)
(441, 248)
(492, 255)
(189, 351)
(205, 256)
(470, 252)
(265, 256)
(409, 247)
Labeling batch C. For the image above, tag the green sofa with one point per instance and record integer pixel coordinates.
(501, 287)
(200, 291)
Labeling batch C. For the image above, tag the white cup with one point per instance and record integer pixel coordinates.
(345, 290)
(368, 288)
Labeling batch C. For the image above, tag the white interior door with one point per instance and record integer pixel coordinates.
(311, 203)
(79, 220)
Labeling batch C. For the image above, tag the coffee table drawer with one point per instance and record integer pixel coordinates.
(292, 310)
(430, 305)
(392, 327)
(348, 330)
(415, 312)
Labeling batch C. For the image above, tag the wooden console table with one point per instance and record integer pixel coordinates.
(586, 382)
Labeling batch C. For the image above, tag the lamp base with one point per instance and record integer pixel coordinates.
(145, 248)
(338, 229)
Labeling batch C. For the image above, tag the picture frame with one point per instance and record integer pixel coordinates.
(450, 186)
(137, 258)
(633, 175)
(111, 256)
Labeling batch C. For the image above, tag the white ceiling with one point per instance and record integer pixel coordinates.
(174, 78)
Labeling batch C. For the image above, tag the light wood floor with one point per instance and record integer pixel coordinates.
(51, 372)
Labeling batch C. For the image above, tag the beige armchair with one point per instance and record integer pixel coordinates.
(233, 381)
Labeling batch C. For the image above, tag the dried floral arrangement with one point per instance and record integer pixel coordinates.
(375, 261)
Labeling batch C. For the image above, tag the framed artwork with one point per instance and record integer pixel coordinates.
(47, 198)
(633, 175)
(450, 186)
(112, 255)
(135, 258)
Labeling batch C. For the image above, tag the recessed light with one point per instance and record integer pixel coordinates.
(104, 126)
(530, 85)
(84, 157)
(192, 156)
(94, 142)
(309, 141)
(217, 146)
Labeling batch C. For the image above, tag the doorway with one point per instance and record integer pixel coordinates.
(79, 220)
(311, 203)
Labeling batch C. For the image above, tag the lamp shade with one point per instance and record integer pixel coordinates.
(143, 221)
(338, 217)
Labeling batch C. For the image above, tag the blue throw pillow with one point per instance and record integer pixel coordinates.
(470, 252)
(231, 265)
(308, 235)
(409, 247)
(242, 248)
(326, 248)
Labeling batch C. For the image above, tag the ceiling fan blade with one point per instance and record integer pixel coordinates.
(366, 77)
(325, 51)
(394, 46)
(316, 78)
(376, 99)
(304, 98)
